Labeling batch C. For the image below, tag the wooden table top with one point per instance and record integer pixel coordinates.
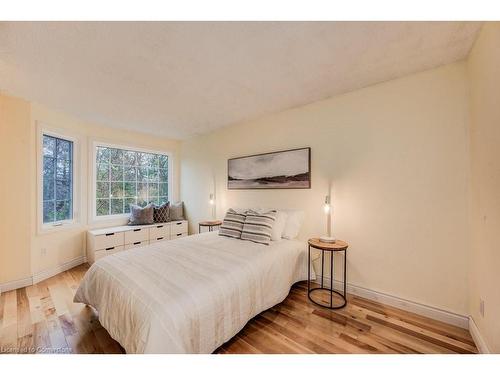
(338, 245)
(209, 223)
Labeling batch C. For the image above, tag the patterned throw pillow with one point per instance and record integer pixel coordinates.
(232, 224)
(161, 214)
(258, 227)
(141, 215)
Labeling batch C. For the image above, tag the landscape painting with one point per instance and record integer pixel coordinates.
(289, 169)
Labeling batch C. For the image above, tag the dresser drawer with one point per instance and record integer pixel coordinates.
(177, 227)
(158, 239)
(159, 230)
(108, 251)
(104, 241)
(136, 235)
(173, 236)
(136, 244)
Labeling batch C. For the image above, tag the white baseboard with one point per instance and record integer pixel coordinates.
(458, 320)
(16, 284)
(42, 275)
(45, 274)
(476, 336)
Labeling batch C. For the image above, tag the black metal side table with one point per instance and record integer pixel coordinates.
(211, 224)
(332, 248)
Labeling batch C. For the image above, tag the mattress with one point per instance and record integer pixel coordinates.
(192, 294)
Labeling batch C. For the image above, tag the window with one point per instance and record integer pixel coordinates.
(57, 180)
(126, 176)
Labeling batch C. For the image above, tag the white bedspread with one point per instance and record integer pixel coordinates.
(192, 294)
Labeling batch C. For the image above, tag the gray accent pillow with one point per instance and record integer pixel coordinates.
(177, 211)
(161, 214)
(232, 224)
(141, 215)
(258, 227)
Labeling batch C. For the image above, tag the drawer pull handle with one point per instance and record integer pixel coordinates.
(110, 234)
(179, 234)
(110, 248)
(159, 226)
(159, 238)
(137, 230)
(137, 243)
(179, 223)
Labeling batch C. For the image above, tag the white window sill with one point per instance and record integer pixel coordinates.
(52, 228)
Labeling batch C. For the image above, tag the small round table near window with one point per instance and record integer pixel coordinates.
(315, 293)
(211, 224)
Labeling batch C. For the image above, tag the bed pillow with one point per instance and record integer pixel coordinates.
(258, 227)
(176, 211)
(279, 225)
(161, 214)
(141, 215)
(232, 225)
(293, 224)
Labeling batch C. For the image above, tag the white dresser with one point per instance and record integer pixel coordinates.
(107, 241)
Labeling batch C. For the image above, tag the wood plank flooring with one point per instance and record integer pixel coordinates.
(42, 318)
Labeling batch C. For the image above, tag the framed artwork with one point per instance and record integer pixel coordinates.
(290, 169)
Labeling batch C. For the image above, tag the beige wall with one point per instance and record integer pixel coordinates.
(15, 189)
(397, 155)
(31, 250)
(484, 76)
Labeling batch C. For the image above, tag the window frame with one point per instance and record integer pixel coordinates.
(93, 154)
(75, 171)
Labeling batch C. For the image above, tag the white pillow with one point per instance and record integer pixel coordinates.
(293, 223)
(279, 226)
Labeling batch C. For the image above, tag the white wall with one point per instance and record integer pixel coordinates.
(484, 76)
(397, 155)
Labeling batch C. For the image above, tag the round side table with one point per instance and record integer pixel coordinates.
(211, 224)
(332, 248)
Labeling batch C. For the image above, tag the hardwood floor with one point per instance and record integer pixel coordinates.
(43, 319)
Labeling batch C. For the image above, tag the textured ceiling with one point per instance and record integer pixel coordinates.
(179, 79)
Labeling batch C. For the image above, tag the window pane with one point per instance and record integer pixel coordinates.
(116, 156)
(102, 155)
(116, 206)
(163, 189)
(130, 189)
(163, 161)
(163, 175)
(153, 175)
(48, 178)
(49, 146)
(116, 172)
(163, 200)
(129, 173)
(128, 202)
(102, 172)
(129, 157)
(142, 174)
(142, 159)
(102, 190)
(63, 149)
(57, 179)
(63, 189)
(49, 211)
(131, 178)
(142, 190)
(117, 189)
(63, 210)
(63, 169)
(102, 207)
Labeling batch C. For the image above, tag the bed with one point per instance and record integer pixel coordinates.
(192, 294)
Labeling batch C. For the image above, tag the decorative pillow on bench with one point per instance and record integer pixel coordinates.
(232, 224)
(141, 215)
(258, 227)
(161, 214)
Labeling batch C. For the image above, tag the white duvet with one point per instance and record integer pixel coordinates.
(192, 294)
